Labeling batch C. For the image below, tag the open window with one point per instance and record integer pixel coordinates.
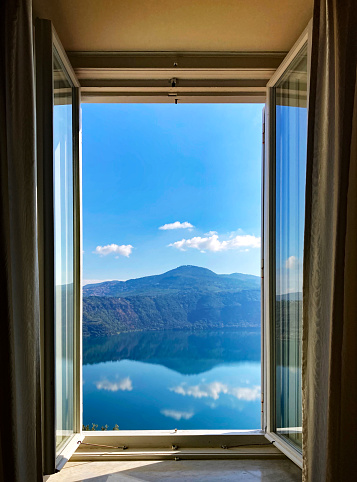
(59, 202)
(59, 165)
(284, 216)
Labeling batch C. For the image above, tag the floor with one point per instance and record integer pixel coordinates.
(183, 470)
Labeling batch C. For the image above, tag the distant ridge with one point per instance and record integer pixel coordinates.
(187, 297)
(295, 296)
(185, 277)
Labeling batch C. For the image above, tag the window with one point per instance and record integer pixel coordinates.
(57, 113)
(64, 263)
(60, 222)
(290, 148)
(284, 231)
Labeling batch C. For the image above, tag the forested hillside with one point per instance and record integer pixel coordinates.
(186, 297)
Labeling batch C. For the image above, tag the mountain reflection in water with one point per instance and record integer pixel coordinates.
(160, 379)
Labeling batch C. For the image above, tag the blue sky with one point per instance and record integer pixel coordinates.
(193, 170)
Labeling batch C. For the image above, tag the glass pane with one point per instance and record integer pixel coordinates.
(63, 227)
(291, 138)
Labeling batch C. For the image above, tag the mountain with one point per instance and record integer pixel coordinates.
(184, 278)
(188, 297)
(295, 296)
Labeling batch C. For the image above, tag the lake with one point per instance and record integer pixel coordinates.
(161, 380)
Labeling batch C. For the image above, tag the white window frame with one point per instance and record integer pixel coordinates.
(147, 77)
(220, 88)
(46, 39)
(269, 226)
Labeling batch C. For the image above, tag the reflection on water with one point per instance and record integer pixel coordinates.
(173, 379)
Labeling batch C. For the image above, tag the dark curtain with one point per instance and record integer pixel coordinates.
(20, 419)
(330, 251)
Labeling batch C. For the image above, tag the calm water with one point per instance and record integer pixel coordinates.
(173, 379)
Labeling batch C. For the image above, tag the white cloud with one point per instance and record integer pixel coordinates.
(291, 262)
(212, 243)
(124, 385)
(176, 225)
(177, 415)
(123, 250)
(211, 233)
(214, 389)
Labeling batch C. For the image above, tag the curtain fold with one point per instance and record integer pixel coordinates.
(20, 414)
(330, 251)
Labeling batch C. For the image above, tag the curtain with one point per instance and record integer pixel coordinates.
(330, 250)
(20, 419)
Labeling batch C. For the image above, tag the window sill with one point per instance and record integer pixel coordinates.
(175, 445)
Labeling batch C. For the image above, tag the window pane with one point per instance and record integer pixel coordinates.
(63, 226)
(291, 132)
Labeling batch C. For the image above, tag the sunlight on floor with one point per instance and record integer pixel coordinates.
(184, 470)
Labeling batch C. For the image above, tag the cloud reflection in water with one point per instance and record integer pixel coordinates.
(214, 389)
(177, 415)
(125, 384)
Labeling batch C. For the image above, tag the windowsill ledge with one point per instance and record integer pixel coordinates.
(175, 445)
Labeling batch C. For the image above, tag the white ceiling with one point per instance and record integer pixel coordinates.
(176, 25)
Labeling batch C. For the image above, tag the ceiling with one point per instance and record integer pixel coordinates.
(176, 25)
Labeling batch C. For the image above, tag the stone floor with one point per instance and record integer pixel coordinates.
(184, 470)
